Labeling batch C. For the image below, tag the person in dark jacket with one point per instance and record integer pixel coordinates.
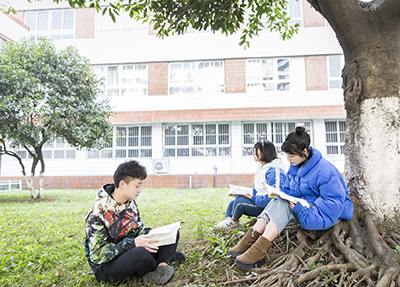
(310, 177)
(117, 245)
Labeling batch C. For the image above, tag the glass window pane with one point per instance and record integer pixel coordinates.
(59, 154)
(70, 154)
(182, 140)
(198, 151)
(42, 20)
(112, 76)
(334, 66)
(133, 153)
(211, 140)
(224, 151)
(105, 153)
(211, 152)
(93, 154)
(332, 150)
(133, 131)
(169, 141)
(146, 131)
(183, 130)
(145, 141)
(56, 20)
(335, 84)
(169, 152)
(69, 19)
(120, 153)
(283, 65)
(146, 153)
(47, 154)
(133, 142)
(182, 152)
(30, 20)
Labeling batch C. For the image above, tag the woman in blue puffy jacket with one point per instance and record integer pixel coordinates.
(310, 177)
(271, 171)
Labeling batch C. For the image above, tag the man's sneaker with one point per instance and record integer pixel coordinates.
(161, 276)
(179, 257)
(228, 222)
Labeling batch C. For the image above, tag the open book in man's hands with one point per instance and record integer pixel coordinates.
(165, 234)
(272, 191)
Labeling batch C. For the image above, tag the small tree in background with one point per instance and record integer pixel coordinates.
(48, 94)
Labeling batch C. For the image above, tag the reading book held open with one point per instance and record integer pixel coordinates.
(235, 190)
(165, 234)
(272, 191)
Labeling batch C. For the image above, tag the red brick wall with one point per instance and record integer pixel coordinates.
(311, 17)
(152, 181)
(235, 76)
(84, 23)
(157, 78)
(316, 73)
(231, 114)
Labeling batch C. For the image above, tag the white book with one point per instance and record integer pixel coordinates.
(235, 190)
(272, 191)
(165, 234)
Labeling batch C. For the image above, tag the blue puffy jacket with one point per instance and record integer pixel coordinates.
(320, 183)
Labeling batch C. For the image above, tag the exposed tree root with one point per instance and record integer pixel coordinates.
(354, 253)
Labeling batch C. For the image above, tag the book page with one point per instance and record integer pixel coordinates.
(165, 234)
(235, 190)
(272, 191)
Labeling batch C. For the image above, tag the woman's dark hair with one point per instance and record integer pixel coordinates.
(129, 170)
(267, 149)
(296, 142)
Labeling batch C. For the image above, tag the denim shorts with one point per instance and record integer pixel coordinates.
(278, 210)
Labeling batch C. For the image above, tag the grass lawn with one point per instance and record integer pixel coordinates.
(41, 242)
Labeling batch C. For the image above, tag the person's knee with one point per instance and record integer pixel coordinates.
(143, 261)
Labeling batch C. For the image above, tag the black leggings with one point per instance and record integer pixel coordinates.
(135, 262)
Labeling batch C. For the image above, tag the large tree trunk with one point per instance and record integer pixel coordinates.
(369, 34)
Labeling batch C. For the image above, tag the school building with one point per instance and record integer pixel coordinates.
(190, 107)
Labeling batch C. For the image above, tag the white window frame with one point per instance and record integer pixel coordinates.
(273, 131)
(197, 143)
(52, 149)
(132, 79)
(191, 78)
(258, 78)
(290, 10)
(334, 79)
(51, 33)
(335, 138)
(124, 146)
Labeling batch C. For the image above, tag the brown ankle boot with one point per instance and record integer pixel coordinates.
(255, 255)
(245, 243)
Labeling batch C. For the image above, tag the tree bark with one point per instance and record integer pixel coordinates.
(369, 33)
(41, 179)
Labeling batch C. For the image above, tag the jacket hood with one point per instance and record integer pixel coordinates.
(278, 162)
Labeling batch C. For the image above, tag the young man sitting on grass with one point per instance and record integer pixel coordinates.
(116, 243)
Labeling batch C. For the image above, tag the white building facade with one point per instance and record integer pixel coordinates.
(191, 107)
